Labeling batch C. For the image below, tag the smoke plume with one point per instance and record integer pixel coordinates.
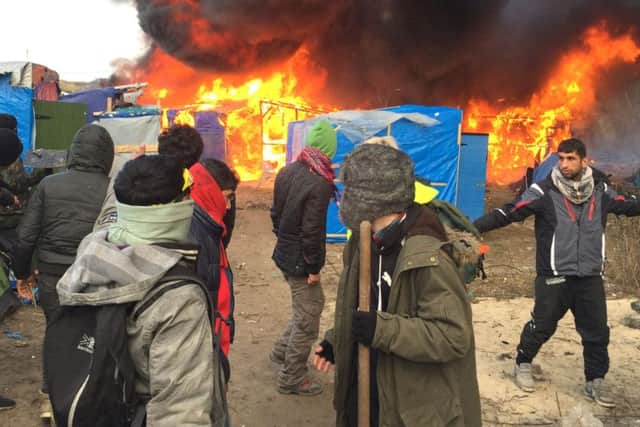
(386, 51)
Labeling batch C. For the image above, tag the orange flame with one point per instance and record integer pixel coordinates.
(255, 129)
(522, 134)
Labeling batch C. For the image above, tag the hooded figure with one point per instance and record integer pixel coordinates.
(171, 342)
(208, 229)
(61, 212)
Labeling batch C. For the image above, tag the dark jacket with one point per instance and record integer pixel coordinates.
(570, 239)
(426, 372)
(64, 206)
(214, 269)
(299, 214)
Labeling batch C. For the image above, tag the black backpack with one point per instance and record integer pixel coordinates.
(90, 373)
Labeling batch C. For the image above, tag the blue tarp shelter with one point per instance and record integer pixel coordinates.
(95, 99)
(213, 134)
(18, 101)
(430, 135)
(544, 169)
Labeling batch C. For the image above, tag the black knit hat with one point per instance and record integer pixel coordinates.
(149, 180)
(378, 180)
(7, 121)
(10, 147)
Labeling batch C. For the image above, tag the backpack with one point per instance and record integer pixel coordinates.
(91, 375)
(464, 240)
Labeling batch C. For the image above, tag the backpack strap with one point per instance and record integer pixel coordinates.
(177, 277)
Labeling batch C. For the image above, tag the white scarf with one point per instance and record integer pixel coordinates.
(577, 191)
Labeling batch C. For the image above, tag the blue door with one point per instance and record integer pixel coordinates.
(472, 174)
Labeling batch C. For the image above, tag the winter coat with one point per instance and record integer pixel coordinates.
(64, 206)
(299, 215)
(214, 269)
(170, 343)
(426, 373)
(570, 239)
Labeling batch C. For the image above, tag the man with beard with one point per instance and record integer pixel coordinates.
(570, 207)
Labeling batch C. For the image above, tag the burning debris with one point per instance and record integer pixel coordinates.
(531, 73)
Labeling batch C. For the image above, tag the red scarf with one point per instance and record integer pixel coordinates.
(206, 192)
(319, 163)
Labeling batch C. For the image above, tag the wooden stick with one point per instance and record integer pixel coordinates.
(364, 301)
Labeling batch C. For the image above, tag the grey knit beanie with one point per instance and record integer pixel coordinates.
(378, 180)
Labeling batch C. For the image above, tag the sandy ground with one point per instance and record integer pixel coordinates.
(501, 306)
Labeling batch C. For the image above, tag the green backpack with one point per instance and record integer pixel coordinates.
(464, 240)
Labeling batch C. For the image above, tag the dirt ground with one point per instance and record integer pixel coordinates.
(501, 306)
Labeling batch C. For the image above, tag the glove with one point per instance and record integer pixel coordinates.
(327, 352)
(363, 326)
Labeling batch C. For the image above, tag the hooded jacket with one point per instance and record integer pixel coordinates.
(208, 229)
(426, 369)
(64, 206)
(170, 342)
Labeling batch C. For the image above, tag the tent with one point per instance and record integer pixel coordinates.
(210, 128)
(130, 127)
(18, 101)
(430, 135)
(95, 99)
(543, 170)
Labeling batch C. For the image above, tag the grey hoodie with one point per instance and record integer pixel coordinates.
(170, 343)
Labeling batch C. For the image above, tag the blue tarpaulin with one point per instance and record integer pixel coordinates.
(18, 101)
(544, 169)
(213, 134)
(428, 134)
(95, 99)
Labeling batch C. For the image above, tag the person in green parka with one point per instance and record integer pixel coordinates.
(419, 328)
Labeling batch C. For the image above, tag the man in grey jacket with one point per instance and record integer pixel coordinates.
(570, 207)
(171, 342)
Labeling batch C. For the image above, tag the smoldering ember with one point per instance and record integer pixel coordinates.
(287, 123)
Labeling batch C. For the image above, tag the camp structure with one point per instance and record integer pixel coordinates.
(453, 161)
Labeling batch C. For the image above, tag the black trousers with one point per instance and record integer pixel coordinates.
(48, 297)
(585, 297)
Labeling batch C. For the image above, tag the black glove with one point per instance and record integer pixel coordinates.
(327, 352)
(363, 326)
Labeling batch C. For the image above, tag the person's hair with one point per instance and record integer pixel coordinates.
(8, 121)
(226, 177)
(149, 180)
(182, 142)
(573, 145)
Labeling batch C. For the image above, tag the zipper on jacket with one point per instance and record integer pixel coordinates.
(379, 283)
(76, 399)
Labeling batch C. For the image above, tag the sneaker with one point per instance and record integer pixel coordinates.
(306, 388)
(599, 391)
(46, 410)
(6, 403)
(524, 377)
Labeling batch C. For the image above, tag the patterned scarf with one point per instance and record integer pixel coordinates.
(578, 191)
(319, 163)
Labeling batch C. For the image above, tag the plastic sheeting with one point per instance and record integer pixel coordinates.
(18, 101)
(95, 99)
(428, 134)
(544, 169)
(132, 130)
(207, 123)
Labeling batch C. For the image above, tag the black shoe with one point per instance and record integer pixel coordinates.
(6, 403)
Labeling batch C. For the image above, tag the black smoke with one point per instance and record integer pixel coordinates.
(382, 52)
